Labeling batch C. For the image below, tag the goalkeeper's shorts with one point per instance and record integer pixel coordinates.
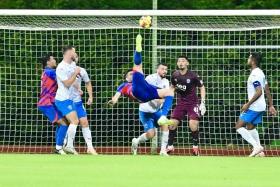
(142, 90)
(80, 109)
(250, 116)
(51, 112)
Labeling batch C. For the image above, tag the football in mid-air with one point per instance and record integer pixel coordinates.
(145, 22)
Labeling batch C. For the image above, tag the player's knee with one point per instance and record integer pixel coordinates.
(150, 134)
(238, 124)
(194, 125)
(74, 120)
(172, 127)
(84, 122)
(63, 121)
(250, 127)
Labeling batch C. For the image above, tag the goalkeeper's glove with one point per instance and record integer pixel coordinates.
(202, 108)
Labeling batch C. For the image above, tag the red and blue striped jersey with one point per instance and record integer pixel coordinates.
(126, 90)
(48, 87)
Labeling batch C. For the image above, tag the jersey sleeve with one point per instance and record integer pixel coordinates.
(84, 75)
(198, 81)
(256, 80)
(61, 74)
(119, 89)
(51, 74)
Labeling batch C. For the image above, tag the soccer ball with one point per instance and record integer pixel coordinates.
(145, 22)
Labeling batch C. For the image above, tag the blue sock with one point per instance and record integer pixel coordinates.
(61, 133)
(167, 105)
(56, 131)
(137, 58)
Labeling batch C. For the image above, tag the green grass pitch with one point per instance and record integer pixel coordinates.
(22, 170)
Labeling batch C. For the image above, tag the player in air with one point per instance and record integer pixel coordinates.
(66, 76)
(46, 103)
(185, 83)
(76, 92)
(253, 110)
(137, 88)
(150, 112)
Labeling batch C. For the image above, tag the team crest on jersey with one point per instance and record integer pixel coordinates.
(69, 107)
(188, 81)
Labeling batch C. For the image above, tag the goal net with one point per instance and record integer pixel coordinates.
(217, 45)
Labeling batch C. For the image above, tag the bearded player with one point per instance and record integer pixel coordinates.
(185, 83)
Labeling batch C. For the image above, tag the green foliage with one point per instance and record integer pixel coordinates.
(140, 4)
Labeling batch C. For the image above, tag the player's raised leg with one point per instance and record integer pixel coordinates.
(137, 58)
(145, 92)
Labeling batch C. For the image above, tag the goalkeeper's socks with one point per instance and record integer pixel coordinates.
(87, 136)
(71, 133)
(195, 137)
(172, 135)
(254, 133)
(164, 141)
(167, 105)
(137, 58)
(61, 133)
(247, 136)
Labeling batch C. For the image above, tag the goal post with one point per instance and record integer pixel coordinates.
(216, 41)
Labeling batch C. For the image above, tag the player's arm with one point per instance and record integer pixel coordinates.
(200, 85)
(202, 106)
(114, 99)
(257, 94)
(272, 111)
(87, 81)
(90, 93)
(68, 82)
(117, 95)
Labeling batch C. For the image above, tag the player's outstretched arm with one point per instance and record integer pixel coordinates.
(202, 106)
(114, 99)
(272, 111)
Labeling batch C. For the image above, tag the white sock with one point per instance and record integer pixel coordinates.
(142, 138)
(247, 136)
(87, 136)
(254, 133)
(164, 140)
(71, 133)
(58, 147)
